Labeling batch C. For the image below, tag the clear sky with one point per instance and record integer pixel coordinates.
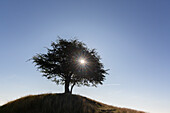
(132, 37)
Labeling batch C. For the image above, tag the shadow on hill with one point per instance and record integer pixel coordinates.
(60, 103)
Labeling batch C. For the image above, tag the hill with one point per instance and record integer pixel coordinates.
(60, 103)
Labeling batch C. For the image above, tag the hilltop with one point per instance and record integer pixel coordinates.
(60, 103)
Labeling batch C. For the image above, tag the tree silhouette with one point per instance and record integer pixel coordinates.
(70, 63)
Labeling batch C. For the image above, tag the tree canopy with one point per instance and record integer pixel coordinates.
(70, 63)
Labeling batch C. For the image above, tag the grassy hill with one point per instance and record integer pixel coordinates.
(60, 103)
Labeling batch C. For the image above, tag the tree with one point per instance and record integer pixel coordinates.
(70, 63)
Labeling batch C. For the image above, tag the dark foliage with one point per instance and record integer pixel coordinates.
(62, 64)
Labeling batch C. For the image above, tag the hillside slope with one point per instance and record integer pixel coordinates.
(60, 103)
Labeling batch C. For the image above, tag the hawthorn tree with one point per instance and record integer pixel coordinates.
(70, 63)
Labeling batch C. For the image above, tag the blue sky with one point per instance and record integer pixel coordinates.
(131, 36)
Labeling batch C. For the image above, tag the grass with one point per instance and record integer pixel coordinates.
(60, 103)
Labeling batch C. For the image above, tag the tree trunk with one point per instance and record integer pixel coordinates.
(72, 87)
(67, 83)
(66, 87)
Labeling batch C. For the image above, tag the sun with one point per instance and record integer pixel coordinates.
(82, 61)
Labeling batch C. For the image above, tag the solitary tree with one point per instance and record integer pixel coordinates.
(70, 63)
